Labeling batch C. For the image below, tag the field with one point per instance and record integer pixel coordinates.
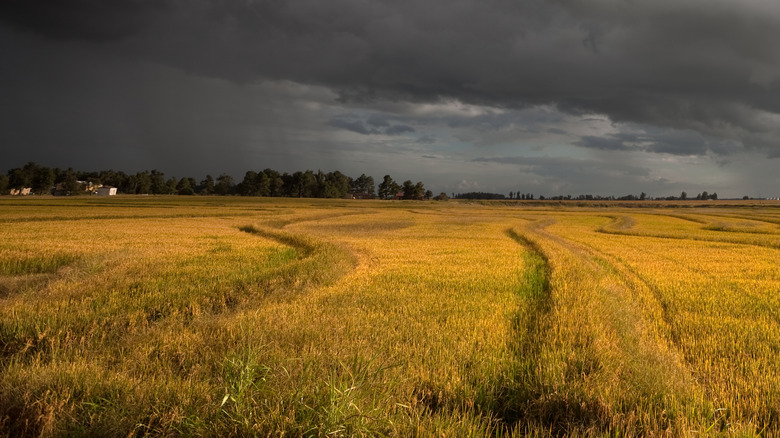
(220, 316)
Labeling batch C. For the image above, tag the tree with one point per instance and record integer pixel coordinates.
(3, 184)
(171, 186)
(142, 183)
(388, 188)
(275, 183)
(184, 187)
(683, 196)
(441, 197)
(207, 186)
(263, 184)
(302, 184)
(642, 196)
(413, 191)
(43, 180)
(18, 178)
(248, 187)
(71, 182)
(224, 184)
(158, 185)
(362, 184)
(428, 194)
(337, 185)
(114, 179)
(705, 195)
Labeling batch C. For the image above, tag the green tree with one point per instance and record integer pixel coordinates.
(18, 178)
(362, 184)
(157, 183)
(224, 184)
(337, 185)
(263, 184)
(388, 188)
(184, 187)
(170, 186)
(207, 186)
(3, 184)
(248, 186)
(419, 190)
(114, 179)
(71, 182)
(302, 184)
(412, 190)
(43, 180)
(140, 183)
(275, 183)
(683, 196)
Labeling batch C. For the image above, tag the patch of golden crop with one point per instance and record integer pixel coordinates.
(257, 316)
(717, 290)
(305, 316)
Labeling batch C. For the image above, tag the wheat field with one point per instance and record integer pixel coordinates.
(231, 316)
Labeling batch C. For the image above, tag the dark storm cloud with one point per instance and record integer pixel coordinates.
(611, 142)
(704, 66)
(374, 125)
(81, 19)
(655, 140)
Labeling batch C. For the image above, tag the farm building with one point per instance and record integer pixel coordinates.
(106, 191)
(21, 192)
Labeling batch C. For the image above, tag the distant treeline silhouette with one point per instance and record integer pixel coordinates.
(36, 179)
(301, 184)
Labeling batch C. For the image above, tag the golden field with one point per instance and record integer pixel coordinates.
(226, 316)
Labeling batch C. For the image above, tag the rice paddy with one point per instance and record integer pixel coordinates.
(206, 316)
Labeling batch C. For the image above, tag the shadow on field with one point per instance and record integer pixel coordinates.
(527, 400)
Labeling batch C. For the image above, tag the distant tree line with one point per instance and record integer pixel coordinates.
(479, 195)
(268, 182)
(631, 197)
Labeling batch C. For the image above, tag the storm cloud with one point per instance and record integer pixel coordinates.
(690, 77)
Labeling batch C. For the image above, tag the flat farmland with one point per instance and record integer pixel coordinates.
(233, 316)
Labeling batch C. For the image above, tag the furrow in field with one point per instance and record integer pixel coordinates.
(322, 217)
(606, 362)
(715, 306)
(705, 232)
(318, 262)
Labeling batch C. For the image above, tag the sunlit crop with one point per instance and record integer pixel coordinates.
(260, 316)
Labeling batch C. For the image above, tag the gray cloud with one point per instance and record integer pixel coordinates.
(694, 64)
(655, 140)
(373, 125)
(82, 19)
(564, 175)
(674, 77)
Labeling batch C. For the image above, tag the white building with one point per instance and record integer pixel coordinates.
(106, 191)
(21, 192)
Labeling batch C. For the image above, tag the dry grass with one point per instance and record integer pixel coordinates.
(234, 316)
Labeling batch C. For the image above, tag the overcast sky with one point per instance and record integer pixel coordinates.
(548, 97)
